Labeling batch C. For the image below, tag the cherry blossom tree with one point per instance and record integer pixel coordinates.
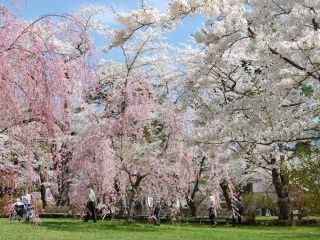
(46, 67)
(251, 78)
(139, 43)
(127, 145)
(197, 176)
(249, 87)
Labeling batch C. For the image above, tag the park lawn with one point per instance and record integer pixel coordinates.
(69, 229)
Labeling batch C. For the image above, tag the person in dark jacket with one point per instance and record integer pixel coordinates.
(238, 210)
(212, 216)
(156, 213)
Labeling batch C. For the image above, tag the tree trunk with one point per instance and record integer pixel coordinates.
(133, 193)
(226, 193)
(43, 179)
(63, 178)
(131, 206)
(280, 183)
(191, 201)
(120, 203)
(193, 208)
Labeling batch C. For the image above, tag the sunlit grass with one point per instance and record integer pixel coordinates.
(117, 229)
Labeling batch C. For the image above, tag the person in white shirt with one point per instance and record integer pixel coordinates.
(91, 206)
(92, 195)
(212, 211)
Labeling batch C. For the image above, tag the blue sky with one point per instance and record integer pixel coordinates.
(31, 9)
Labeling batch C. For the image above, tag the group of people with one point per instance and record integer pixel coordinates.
(92, 203)
(22, 208)
(237, 210)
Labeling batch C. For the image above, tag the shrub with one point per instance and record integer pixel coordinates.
(6, 202)
(305, 203)
(254, 202)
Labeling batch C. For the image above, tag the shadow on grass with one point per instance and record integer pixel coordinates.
(295, 235)
(80, 226)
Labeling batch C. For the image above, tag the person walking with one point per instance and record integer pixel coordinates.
(212, 211)
(238, 210)
(212, 216)
(156, 213)
(91, 206)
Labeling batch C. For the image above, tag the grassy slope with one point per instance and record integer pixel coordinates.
(56, 229)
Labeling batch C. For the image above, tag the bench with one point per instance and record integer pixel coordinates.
(56, 211)
(141, 217)
(146, 213)
(71, 211)
(206, 219)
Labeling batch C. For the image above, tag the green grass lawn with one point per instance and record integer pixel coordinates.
(116, 229)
